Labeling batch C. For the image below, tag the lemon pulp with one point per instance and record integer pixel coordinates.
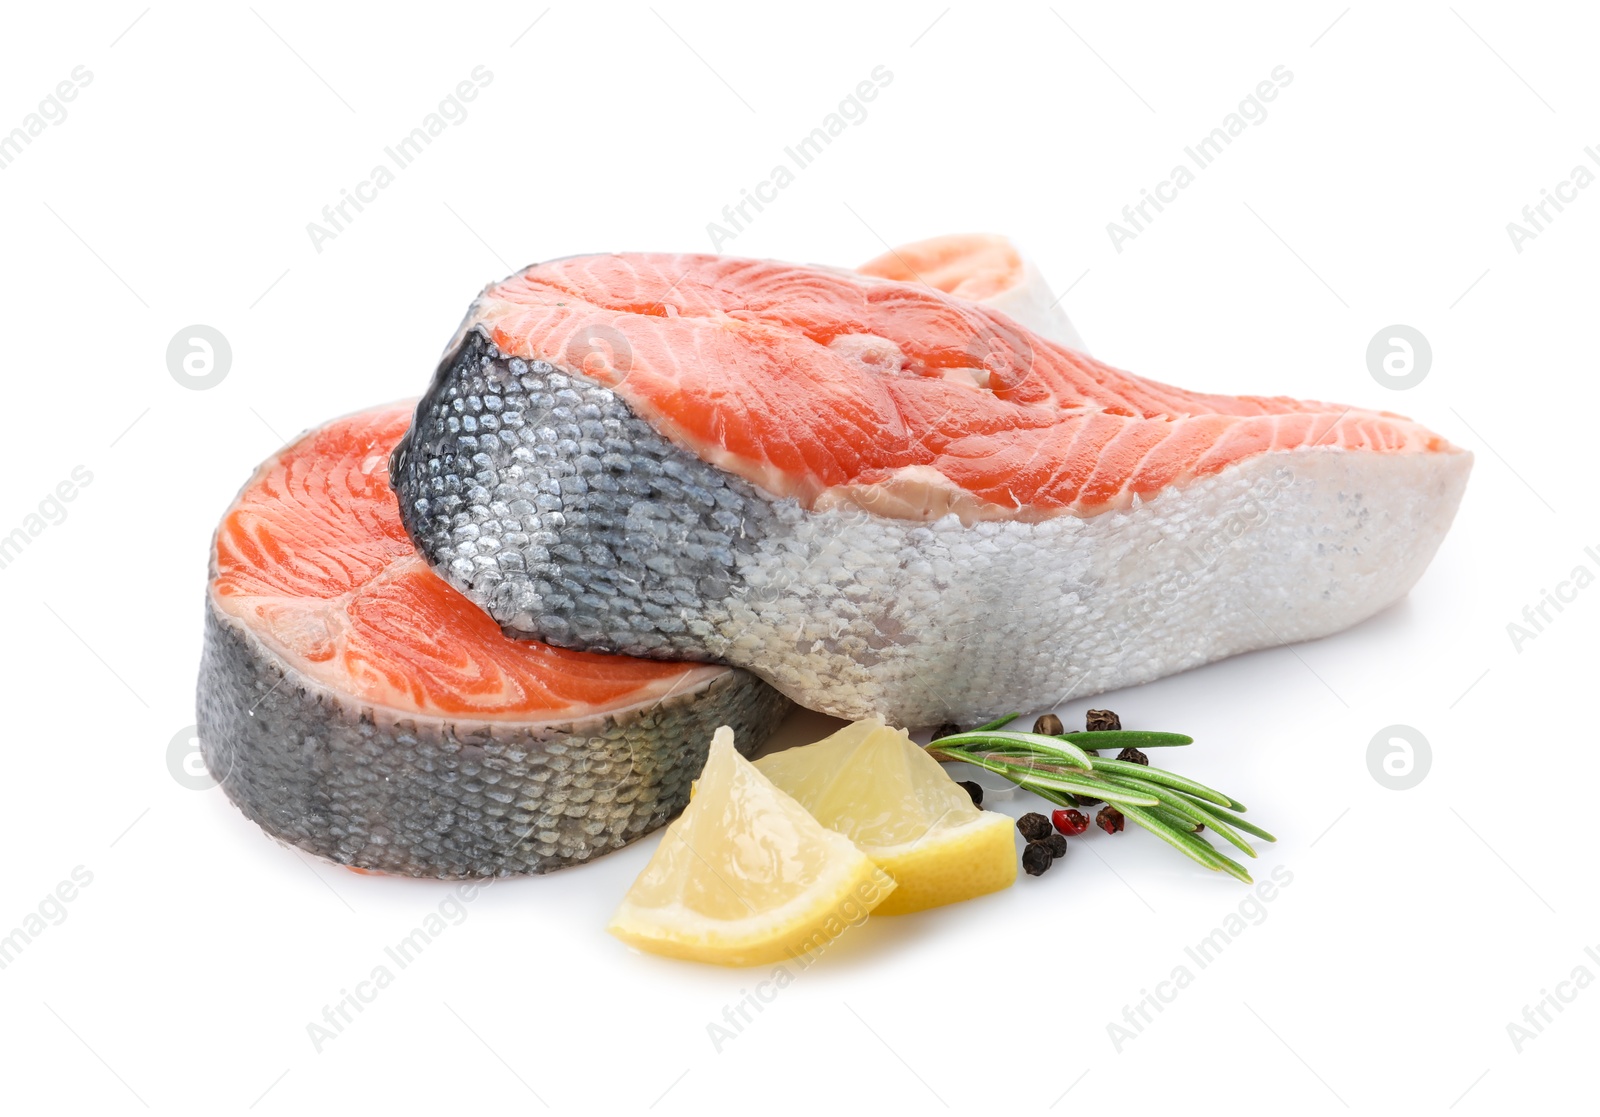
(745, 876)
(878, 788)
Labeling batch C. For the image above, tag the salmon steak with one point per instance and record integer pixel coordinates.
(883, 493)
(353, 704)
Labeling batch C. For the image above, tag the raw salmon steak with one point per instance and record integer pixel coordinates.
(886, 497)
(353, 704)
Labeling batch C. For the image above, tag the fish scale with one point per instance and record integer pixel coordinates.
(622, 542)
(433, 797)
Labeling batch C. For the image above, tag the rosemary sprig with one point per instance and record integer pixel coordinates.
(1192, 788)
(1239, 823)
(1127, 738)
(1059, 769)
(1023, 744)
(1073, 781)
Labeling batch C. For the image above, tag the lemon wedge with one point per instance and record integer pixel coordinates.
(878, 788)
(745, 876)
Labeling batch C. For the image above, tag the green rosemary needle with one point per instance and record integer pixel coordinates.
(1058, 769)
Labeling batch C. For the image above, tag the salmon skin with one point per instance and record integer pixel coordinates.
(884, 498)
(354, 705)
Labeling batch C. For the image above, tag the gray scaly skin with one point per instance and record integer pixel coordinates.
(541, 496)
(430, 797)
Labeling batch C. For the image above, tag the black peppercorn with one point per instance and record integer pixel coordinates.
(973, 790)
(1049, 725)
(1097, 721)
(1036, 858)
(1034, 826)
(1110, 820)
(948, 729)
(1057, 844)
(1133, 756)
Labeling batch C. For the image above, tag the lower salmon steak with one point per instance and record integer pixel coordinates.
(353, 704)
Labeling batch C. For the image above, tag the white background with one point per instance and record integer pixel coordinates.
(1418, 923)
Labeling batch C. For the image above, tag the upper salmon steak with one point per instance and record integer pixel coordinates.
(885, 498)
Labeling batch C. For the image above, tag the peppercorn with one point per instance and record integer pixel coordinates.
(1096, 721)
(1069, 821)
(1057, 844)
(1110, 820)
(1034, 826)
(948, 729)
(973, 790)
(1049, 725)
(1036, 858)
(1133, 756)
